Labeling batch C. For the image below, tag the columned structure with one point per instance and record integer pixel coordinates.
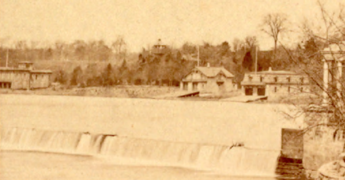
(334, 56)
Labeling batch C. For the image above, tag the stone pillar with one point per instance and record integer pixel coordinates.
(181, 85)
(339, 75)
(325, 84)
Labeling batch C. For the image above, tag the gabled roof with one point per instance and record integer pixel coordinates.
(214, 71)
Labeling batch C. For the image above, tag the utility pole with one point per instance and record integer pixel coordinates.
(256, 59)
(7, 58)
(198, 56)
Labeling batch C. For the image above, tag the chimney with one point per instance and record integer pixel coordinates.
(270, 69)
(208, 64)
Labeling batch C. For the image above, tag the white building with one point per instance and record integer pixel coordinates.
(215, 80)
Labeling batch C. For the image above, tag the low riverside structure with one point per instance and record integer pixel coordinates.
(264, 83)
(24, 77)
(215, 80)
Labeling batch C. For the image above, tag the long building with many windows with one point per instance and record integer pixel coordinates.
(24, 77)
(264, 83)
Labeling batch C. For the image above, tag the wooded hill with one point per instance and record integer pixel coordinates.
(97, 64)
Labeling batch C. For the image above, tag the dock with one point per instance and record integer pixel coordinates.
(178, 94)
(246, 99)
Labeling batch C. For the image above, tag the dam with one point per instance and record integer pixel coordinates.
(230, 159)
(118, 134)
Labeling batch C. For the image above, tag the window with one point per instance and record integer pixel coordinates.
(288, 79)
(195, 86)
(185, 86)
(302, 80)
(5, 85)
(288, 88)
(261, 78)
(250, 78)
(301, 89)
(276, 79)
(249, 91)
(261, 91)
(275, 89)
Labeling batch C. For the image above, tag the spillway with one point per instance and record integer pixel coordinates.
(226, 158)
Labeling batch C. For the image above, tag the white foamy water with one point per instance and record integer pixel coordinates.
(141, 132)
(218, 158)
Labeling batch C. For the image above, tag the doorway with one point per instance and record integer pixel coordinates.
(248, 91)
(261, 91)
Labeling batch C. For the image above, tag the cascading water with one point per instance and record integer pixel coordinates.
(233, 160)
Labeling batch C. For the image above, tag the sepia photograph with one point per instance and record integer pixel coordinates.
(172, 90)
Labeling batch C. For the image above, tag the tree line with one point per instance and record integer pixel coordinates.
(147, 68)
(79, 50)
(238, 57)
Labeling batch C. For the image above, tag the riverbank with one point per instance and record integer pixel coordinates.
(158, 92)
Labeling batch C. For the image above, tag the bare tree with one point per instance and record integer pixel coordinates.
(238, 45)
(119, 46)
(22, 47)
(274, 25)
(251, 42)
(60, 48)
(320, 58)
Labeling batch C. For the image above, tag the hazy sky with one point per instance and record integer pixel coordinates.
(142, 22)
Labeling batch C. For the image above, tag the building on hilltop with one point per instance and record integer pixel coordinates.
(268, 82)
(159, 49)
(208, 79)
(24, 77)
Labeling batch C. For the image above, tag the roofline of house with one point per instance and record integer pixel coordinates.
(26, 70)
(275, 73)
(216, 74)
(41, 71)
(272, 83)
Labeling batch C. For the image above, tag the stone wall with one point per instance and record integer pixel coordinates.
(292, 143)
(321, 144)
